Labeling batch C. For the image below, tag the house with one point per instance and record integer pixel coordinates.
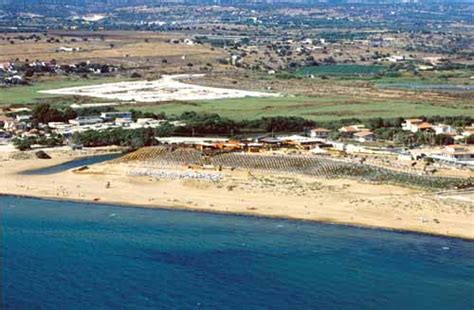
(122, 121)
(364, 136)
(468, 131)
(397, 58)
(405, 156)
(456, 153)
(321, 133)
(231, 145)
(85, 120)
(416, 124)
(253, 147)
(109, 116)
(425, 126)
(442, 129)
(67, 49)
(23, 117)
(270, 142)
(349, 131)
(411, 124)
(300, 141)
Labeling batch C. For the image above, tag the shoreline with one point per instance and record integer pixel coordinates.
(269, 195)
(241, 214)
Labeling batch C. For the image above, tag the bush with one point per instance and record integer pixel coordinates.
(22, 144)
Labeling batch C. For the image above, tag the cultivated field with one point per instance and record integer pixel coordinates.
(130, 49)
(341, 70)
(159, 157)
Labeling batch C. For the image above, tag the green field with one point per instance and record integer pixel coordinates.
(30, 94)
(315, 108)
(323, 108)
(341, 70)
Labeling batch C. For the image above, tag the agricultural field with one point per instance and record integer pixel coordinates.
(316, 108)
(341, 70)
(128, 49)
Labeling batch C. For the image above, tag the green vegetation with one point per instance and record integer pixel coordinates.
(459, 77)
(341, 70)
(44, 113)
(135, 138)
(312, 108)
(30, 94)
(24, 144)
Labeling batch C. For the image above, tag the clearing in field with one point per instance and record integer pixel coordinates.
(168, 88)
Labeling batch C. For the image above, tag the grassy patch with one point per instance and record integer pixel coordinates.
(315, 108)
(30, 94)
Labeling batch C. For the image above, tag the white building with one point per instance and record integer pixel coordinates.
(22, 118)
(85, 120)
(442, 129)
(364, 136)
(113, 115)
(349, 131)
(321, 133)
(456, 154)
(468, 131)
(415, 125)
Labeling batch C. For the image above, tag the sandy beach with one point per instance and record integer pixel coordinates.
(243, 192)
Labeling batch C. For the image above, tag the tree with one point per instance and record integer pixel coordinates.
(164, 130)
(43, 113)
(443, 139)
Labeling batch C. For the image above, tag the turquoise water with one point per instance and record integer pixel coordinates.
(76, 163)
(64, 255)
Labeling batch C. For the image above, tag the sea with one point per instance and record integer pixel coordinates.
(69, 255)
